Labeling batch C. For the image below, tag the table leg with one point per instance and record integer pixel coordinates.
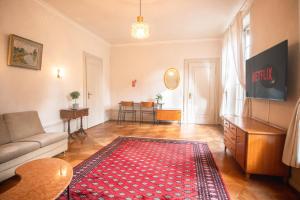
(69, 129)
(68, 192)
(81, 127)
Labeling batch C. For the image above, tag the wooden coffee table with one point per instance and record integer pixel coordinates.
(42, 179)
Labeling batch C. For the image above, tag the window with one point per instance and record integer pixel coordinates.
(239, 90)
(233, 93)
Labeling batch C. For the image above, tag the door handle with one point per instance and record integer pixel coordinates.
(89, 95)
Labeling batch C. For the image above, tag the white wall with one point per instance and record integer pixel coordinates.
(147, 64)
(64, 43)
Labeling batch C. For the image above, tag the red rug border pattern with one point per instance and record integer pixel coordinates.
(94, 160)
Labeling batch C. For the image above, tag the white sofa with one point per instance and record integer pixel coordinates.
(22, 139)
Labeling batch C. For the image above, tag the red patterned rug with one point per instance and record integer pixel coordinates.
(142, 168)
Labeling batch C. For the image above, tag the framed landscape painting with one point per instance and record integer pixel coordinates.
(24, 53)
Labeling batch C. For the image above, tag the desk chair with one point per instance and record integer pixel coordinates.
(124, 108)
(147, 108)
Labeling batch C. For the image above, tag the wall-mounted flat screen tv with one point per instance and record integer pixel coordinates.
(266, 73)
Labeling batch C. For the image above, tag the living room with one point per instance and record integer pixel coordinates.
(167, 78)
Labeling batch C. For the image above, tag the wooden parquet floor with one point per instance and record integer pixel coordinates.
(239, 187)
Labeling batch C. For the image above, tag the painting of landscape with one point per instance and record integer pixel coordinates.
(24, 53)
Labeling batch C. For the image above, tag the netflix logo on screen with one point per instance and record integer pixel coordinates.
(266, 73)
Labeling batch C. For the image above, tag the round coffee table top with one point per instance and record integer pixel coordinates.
(41, 179)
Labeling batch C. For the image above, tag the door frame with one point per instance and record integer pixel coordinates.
(85, 96)
(187, 62)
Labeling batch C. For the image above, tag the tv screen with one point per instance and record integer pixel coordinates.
(266, 73)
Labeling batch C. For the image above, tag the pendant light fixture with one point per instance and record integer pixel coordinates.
(139, 29)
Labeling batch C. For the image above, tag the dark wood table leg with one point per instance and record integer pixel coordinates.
(68, 192)
(69, 129)
(81, 127)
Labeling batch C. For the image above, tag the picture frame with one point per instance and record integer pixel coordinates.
(24, 53)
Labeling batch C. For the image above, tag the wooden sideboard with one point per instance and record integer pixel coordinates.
(168, 115)
(256, 147)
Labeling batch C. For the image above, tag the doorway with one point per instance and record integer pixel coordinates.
(93, 89)
(200, 91)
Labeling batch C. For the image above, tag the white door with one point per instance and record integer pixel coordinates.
(200, 92)
(94, 89)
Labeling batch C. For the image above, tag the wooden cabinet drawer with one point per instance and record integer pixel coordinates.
(226, 132)
(84, 112)
(232, 137)
(172, 115)
(74, 114)
(226, 124)
(226, 142)
(232, 128)
(229, 134)
(230, 145)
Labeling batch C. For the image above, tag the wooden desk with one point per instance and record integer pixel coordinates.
(168, 115)
(256, 146)
(43, 179)
(69, 114)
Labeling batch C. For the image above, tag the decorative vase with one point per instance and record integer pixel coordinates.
(75, 106)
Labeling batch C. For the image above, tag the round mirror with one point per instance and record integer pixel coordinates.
(172, 78)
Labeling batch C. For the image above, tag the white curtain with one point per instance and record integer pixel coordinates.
(236, 43)
(247, 108)
(291, 152)
(233, 67)
(224, 72)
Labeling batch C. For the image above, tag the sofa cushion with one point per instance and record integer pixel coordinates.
(45, 139)
(14, 150)
(4, 135)
(23, 124)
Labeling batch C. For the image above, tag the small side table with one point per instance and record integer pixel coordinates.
(69, 114)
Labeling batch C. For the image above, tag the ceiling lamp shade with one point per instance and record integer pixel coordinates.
(139, 29)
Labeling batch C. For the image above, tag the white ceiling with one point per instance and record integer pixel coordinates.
(168, 19)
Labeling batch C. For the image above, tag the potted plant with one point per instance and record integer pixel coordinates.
(75, 95)
(158, 98)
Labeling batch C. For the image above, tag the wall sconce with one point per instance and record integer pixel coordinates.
(59, 73)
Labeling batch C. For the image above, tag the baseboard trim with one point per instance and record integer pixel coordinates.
(107, 120)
